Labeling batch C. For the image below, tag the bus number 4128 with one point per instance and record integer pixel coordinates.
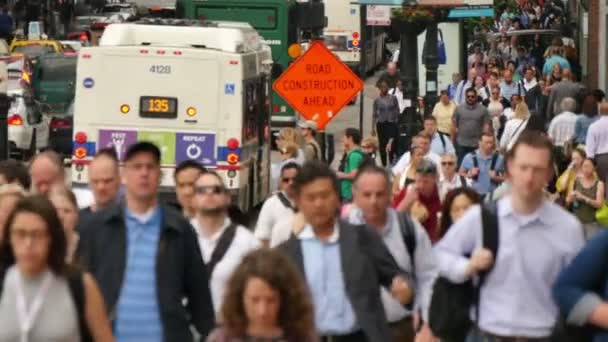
(160, 69)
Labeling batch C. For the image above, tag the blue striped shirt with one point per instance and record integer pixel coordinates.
(138, 314)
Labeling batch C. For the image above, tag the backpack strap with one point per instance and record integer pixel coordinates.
(286, 201)
(442, 138)
(314, 147)
(494, 160)
(408, 233)
(475, 160)
(78, 293)
(220, 250)
(490, 241)
(463, 181)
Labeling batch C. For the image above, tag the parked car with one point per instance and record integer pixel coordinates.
(28, 127)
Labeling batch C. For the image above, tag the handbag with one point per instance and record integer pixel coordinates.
(601, 215)
(441, 55)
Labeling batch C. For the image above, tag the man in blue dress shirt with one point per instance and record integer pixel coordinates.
(537, 239)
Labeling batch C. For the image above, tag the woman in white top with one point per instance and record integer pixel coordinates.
(39, 299)
(515, 126)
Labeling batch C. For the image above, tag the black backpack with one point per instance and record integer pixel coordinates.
(492, 163)
(450, 306)
(367, 160)
(77, 291)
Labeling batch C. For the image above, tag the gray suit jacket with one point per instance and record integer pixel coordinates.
(560, 91)
(366, 264)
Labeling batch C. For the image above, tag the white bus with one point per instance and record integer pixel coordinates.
(360, 46)
(199, 91)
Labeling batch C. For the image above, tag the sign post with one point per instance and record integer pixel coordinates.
(318, 85)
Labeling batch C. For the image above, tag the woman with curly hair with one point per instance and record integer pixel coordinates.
(455, 204)
(266, 301)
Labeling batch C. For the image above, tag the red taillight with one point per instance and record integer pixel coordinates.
(160, 52)
(234, 62)
(143, 51)
(232, 144)
(355, 35)
(60, 123)
(86, 56)
(80, 137)
(15, 120)
(276, 109)
(84, 37)
(177, 53)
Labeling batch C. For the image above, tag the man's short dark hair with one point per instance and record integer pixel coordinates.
(371, 169)
(354, 134)
(312, 171)
(15, 171)
(108, 152)
(471, 90)
(427, 167)
(188, 164)
(430, 118)
(534, 140)
(599, 95)
(143, 147)
(290, 166)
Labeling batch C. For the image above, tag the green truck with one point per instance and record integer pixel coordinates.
(281, 24)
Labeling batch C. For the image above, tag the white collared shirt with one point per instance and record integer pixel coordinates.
(273, 211)
(243, 243)
(309, 233)
(446, 185)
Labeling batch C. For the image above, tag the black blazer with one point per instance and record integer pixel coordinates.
(366, 264)
(180, 271)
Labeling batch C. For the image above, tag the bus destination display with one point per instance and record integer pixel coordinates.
(158, 107)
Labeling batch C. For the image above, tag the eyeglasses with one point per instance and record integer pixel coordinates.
(287, 179)
(471, 96)
(209, 189)
(36, 235)
(450, 163)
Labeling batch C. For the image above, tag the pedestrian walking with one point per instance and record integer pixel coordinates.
(222, 242)
(385, 116)
(565, 183)
(312, 150)
(470, 120)
(485, 167)
(146, 259)
(10, 194)
(531, 90)
(13, 171)
(421, 198)
(46, 171)
(586, 197)
(444, 111)
(508, 87)
(589, 111)
(390, 76)
(566, 88)
(596, 144)
(529, 228)
(266, 301)
(580, 290)
(279, 206)
(450, 179)
(185, 175)
(440, 142)
(355, 158)
(422, 141)
(463, 86)
(409, 175)
(455, 204)
(343, 264)
(288, 135)
(104, 181)
(514, 126)
(369, 146)
(407, 242)
(42, 297)
(65, 203)
(561, 131)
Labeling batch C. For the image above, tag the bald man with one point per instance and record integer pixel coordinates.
(390, 76)
(46, 171)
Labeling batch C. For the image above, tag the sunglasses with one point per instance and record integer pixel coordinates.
(448, 163)
(209, 189)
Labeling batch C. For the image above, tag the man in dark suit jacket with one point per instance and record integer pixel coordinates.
(343, 264)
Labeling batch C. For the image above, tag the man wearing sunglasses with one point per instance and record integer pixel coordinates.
(470, 119)
(450, 179)
(278, 207)
(222, 242)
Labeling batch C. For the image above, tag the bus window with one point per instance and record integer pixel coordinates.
(251, 110)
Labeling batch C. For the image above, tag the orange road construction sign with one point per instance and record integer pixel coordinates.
(318, 85)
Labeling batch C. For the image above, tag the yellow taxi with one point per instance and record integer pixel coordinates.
(35, 48)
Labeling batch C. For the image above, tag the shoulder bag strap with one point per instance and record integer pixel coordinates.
(220, 250)
(463, 180)
(285, 201)
(442, 137)
(490, 241)
(408, 232)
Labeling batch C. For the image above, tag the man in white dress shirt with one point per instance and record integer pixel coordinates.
(423, 141)
(596, 144)
(223, 244)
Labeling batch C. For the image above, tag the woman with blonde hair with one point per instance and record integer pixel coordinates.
(290, 135)
(515, 126)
